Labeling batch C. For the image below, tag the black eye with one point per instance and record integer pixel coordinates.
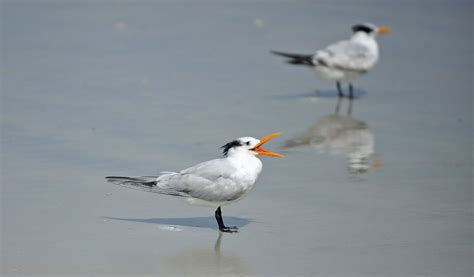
(248, 143)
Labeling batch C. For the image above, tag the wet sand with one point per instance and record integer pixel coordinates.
(379, 186)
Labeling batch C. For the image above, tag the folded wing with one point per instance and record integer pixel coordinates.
(346, 55)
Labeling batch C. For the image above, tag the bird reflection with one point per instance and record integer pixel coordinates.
(207, 262)
(341, 134)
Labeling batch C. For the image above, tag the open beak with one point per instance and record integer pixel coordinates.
(264, 152)
(383, 30)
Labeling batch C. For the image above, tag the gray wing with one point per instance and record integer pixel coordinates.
(211, 181)
(346, 55)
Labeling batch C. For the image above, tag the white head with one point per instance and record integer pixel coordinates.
(249, 146)
(369, 29)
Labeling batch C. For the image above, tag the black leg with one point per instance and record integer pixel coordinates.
(339, 90)
(351, 91)
(220, 222)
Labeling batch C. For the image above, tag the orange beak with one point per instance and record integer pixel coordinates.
(383, 30)
(264, 152)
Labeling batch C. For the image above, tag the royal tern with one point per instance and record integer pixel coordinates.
(213, 183)
(345, 60)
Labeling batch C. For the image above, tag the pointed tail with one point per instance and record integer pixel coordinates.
(145, 183)
(298, 59)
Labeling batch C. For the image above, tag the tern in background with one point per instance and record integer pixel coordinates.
(345, 60)
(213, 183)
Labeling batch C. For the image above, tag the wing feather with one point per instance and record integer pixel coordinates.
(210, 181)
(346, 55)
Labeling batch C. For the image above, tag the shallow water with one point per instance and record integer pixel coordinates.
(383, 185)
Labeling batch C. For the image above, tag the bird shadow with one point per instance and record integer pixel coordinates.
(310, 94)
(197, 222)
(357, 93)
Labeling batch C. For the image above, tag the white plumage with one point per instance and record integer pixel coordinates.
(212, 183)
(344, 60)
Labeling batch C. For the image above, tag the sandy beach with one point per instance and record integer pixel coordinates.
(379, 186)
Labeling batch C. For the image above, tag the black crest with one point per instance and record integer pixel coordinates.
(228, 146)
(362, 28)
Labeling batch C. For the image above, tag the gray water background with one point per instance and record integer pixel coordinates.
(97, 88)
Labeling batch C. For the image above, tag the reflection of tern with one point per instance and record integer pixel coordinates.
(336, 134)
(205, 261)
(344, 60)
(213, 183)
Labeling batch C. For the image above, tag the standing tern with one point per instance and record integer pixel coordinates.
(344, 60)
(213, 183)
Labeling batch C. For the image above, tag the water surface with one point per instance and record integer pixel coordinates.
(382, 186)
